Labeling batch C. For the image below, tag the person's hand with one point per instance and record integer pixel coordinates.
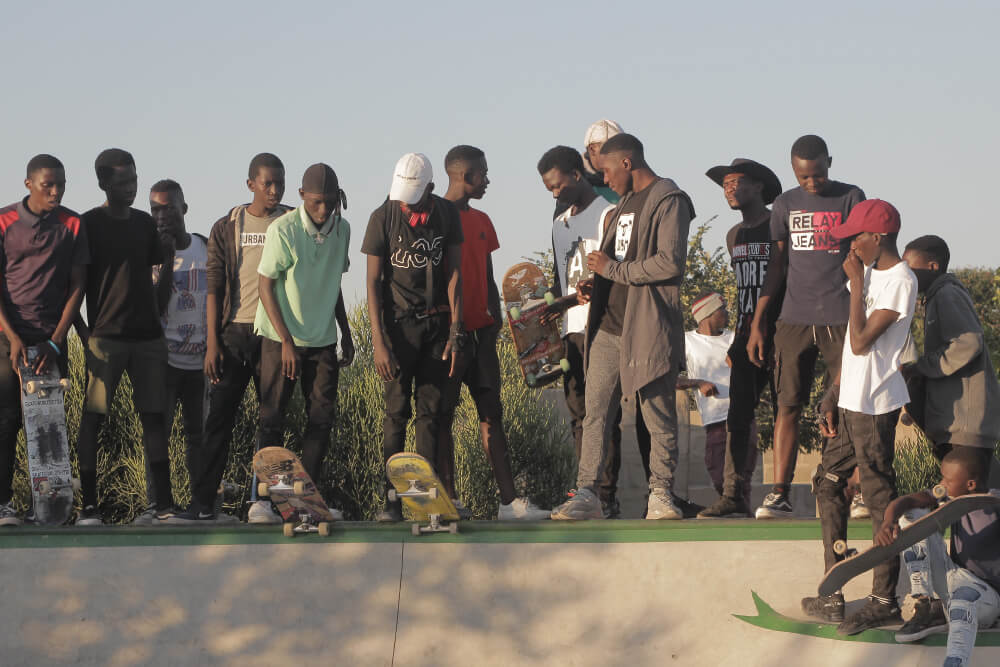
(346, 351)
(385, 362)
(452, 350)
(549, 314)
(584, 290)
(289, 360)
(853, 267)
(598, 262)
(756, 344)
(889, 531)
(18, 352)
(729, 361)
(827, 411)
(707, 388)
(828, 424)
(213, 360)
(46, 359)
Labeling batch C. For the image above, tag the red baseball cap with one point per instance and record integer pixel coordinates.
(872, 215)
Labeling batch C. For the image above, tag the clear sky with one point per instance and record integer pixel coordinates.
(905, 93)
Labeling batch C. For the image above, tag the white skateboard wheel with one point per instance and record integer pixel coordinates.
(64, 383)
(324, 528)
(550, 298)
(432, 492)
(530, 379)
(288, 529)
(30, 387)
(453, 528)
(262, 489)
(393, 497)
(299, 488)
(564, 365)
(840, 547)
(940, 492)
(75, 483)
(515, 314)
(415, 529)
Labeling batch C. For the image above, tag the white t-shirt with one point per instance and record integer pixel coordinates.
(706, 360)
(570, 237)
(184, 323)
(871, 383)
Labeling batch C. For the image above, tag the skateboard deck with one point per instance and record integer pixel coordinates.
(282, 477)
(414, 482)
(936, 521)
(539, 346)
(44, 411)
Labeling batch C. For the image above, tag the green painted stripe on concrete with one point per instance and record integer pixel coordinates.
(471, 532)
(769, 619)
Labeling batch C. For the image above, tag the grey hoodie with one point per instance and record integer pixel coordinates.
(652, 342)
(963, 395)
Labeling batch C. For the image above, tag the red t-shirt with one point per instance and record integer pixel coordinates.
(480, 241)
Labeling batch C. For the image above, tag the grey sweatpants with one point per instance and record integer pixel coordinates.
(604, 396)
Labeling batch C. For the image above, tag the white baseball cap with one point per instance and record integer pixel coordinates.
(601, 131)
(410, 178)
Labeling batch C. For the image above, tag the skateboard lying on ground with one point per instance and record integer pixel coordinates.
(936, 521)
(539, 346)
(43, 407)
(292, 491)
(414, 482)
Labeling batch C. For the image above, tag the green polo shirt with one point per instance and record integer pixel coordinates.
(308, 265)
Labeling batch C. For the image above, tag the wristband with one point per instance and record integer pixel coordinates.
(54, 347)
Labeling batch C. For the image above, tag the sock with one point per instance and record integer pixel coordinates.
(781, 489)
(88, 487)
(161, 484)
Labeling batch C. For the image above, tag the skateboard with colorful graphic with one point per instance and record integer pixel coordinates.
(539, 346)
(292, 491)
(44, 409)
(414, 482)
(945, 515)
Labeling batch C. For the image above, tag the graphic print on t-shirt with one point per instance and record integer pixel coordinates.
(416, 256)
(575, 261)
(252, 239)
(623, 235)
(810, 230)
(750, 265)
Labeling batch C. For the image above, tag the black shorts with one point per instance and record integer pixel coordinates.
(796, 347)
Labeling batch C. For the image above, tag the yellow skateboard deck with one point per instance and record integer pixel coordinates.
(414, 482)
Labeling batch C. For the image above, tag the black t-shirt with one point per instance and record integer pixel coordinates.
(619, 243)
(750, 252)
(121, 302)
(405, 251)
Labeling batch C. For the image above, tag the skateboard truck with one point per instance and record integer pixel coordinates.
(297, 488)
(42, 387)
(305, 525)
(413, 492)
(434, 526)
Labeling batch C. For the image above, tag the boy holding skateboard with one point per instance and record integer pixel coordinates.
(232, 350)
(125, 334)
(414, 248)
(868, 393)
(961, 401)
(956, 593)
(301, 306)
(43, 267)
(479, 368)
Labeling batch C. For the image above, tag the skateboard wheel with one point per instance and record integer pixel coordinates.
(453, 528)
(392, 495)
(550, 298)
(299, 488)
(515, 314)
(75, 483)
(906, 419)
(262, 489)
(64, 383)
(324, 528)
(564, 365)
(840, 547)
(530, 379)
(30, 387)
(415, 529)
(432, 492)
(44, 487)
(940, 492)
(288, 529)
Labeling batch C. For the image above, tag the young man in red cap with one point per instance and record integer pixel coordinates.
(749, 188)
(861, 408)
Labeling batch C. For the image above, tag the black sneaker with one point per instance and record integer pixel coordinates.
(391, 513)
(89, 516)
(828, 608)
(167, 515)
(195, 513)
(612, 509)
(726, 508)
(873, 615)
(928, 618)
(775, 506)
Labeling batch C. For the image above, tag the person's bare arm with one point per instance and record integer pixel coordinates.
(346, 342)
(889, 531)
(704, 386)
(777, 267)
(289, 355)
(215, 273)
(452, 348)
(385, 362)
(71, 310)
(18, 352)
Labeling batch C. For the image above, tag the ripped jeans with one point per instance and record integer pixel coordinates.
(970, 602)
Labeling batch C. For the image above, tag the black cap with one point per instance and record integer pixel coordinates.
(320, 179)
(755, 170)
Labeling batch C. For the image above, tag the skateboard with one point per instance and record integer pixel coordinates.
(945, 515)
(43, 407)
(283, 478)
(414, 482)
(539, 346)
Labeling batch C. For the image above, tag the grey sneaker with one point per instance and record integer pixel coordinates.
(858, 508)
(828, 608)
(8, 515)
(726, 508)
(583, 505)
(262, 512)
(873, 615)
(775, 506)
(89, 516)
(464, 513)
(522, 509)
(145, 518)
(928, 618)
(660, 506)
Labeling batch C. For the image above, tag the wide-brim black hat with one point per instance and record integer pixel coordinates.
(755, 170)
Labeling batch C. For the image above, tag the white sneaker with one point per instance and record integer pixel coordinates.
(262, 512)
(522, 509)
(858, 508)
(8, 515)
(337, 514)
(661, 506)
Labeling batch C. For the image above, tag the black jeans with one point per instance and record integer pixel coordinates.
(240, 365)
(10, 413)
(866, 442)
(417, 345)
(746, 385)
(187, 387)
(319, 373)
